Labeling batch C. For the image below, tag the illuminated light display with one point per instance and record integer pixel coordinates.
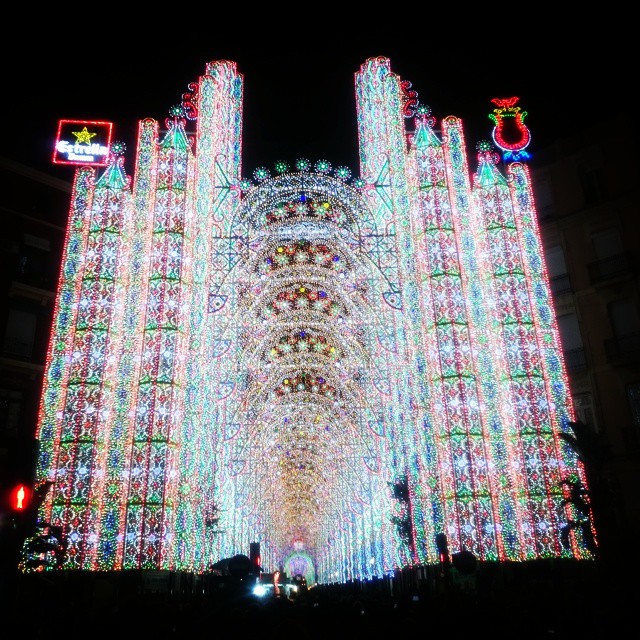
(238, 360)
(504, 115)
(83, 142)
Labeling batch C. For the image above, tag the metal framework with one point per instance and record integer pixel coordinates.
(235, 361)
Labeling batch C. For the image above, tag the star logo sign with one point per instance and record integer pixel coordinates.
(83, 137)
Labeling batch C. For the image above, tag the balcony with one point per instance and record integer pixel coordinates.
(623, 349)
(18, 347)
(620, 265)
(21, 289)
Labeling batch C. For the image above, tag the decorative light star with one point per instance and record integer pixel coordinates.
(83, 137)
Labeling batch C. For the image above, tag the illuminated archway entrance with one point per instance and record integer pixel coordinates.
(340, 369)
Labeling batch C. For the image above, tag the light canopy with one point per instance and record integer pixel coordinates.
(235, 361)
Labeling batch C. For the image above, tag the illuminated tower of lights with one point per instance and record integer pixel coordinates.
(338, 369)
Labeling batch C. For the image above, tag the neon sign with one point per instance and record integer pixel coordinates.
(83, 142)
(513, 149)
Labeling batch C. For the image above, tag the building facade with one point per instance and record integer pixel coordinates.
(34, 208)
(585, 189)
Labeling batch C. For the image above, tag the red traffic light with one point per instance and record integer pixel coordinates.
(20, 497)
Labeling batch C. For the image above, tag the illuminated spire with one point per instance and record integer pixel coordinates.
(114, 175)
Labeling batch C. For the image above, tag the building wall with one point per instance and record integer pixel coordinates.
(586, 193)
(33, 207)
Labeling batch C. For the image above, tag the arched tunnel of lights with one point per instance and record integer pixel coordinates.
(306, 315)
(339, 371)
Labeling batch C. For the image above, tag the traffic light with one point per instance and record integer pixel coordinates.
(20, 498)
(16, 480)
(28, 543)
(20, 510)
(17, 466)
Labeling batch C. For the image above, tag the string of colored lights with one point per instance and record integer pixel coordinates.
(235, 361)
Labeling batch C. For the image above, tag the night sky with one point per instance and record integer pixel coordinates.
(299, 97)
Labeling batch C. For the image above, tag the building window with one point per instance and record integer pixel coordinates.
(583, 403)
(20, 333)
(34, 262)
(10, 407)
(557, 270)
(625, 324)
(592, 179)
(544, 198)
(633, 393)
(607, 243)
(625, 319)
(611, 260)
(571, 340)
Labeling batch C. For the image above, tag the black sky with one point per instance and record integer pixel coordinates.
(299, 96)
